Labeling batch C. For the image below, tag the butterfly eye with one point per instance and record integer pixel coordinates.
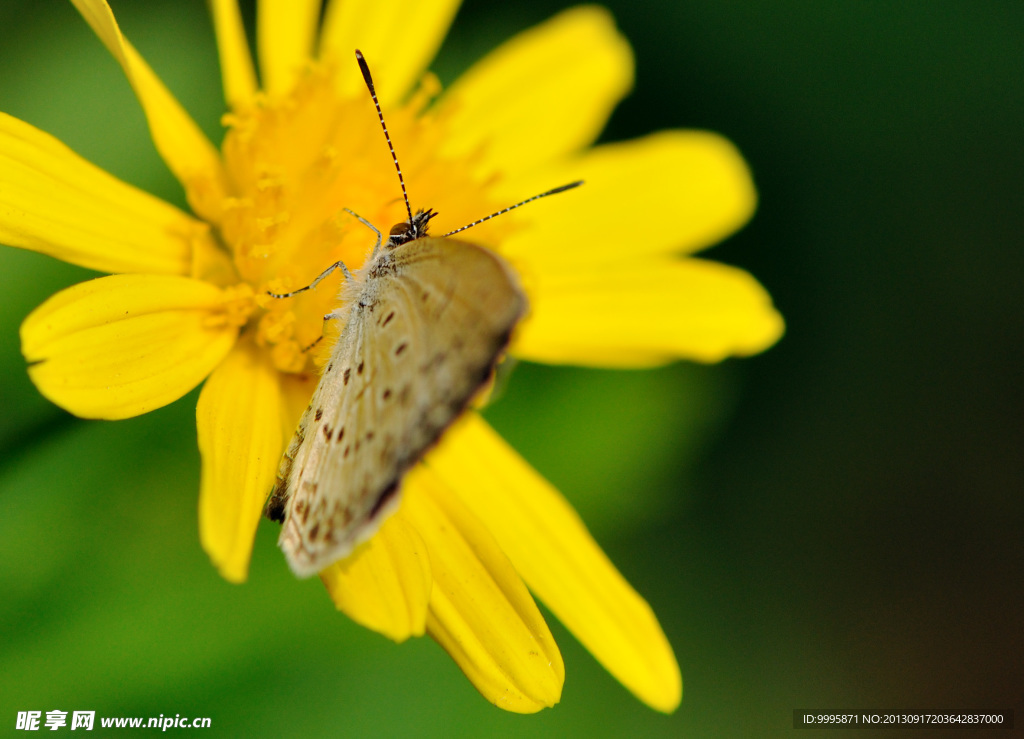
(400, 229)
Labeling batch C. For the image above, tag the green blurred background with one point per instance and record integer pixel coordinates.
(834, 524)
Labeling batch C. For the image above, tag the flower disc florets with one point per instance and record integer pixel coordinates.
(295, 163)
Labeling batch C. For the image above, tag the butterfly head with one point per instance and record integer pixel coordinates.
(410, 230)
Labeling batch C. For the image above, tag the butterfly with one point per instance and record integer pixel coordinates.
(425, 320)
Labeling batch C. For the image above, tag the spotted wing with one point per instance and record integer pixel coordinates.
(424, 330)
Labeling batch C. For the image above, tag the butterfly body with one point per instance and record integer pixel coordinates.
(424, 322)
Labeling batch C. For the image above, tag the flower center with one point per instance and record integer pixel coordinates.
(295, 163)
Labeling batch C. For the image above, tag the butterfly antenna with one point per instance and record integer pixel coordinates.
(373, 93)
(557, 190)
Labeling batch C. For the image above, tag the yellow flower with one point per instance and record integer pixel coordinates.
(604, 268)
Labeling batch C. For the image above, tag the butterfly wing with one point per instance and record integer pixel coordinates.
(426, 324)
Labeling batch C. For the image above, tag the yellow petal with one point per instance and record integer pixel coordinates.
(185, 149)
(480, 611)
(238, 419)
(119, 346)
(646, 313)
(54, 202)
(235, 60)
(552, 550)
(385, 585)
(545, 94)
(399, 40)
(285, 30)
(670, 192)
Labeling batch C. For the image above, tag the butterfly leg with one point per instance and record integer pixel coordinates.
(328, 317)
(314, 283)
(376, 247)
